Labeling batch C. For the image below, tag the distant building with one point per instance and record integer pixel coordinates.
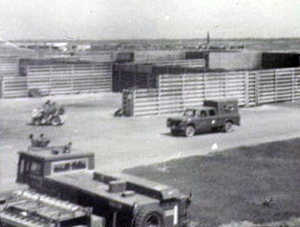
(10, 55)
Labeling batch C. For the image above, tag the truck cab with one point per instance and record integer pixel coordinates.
(212, 115)
(122, 200)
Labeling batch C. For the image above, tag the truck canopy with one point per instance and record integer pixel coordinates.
(223, 106)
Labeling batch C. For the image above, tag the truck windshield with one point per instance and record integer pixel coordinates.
(189, 113)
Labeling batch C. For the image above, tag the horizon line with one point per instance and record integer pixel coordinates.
(149, 39)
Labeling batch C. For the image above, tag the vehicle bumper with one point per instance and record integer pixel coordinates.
(177, 128)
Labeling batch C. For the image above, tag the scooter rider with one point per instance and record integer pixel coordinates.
(49, 108)
(47, 105)
(53, 108)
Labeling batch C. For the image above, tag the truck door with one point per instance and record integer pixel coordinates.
(170, 213)
(203, 122)
(21, 170)
(183, 211)
(212, 119)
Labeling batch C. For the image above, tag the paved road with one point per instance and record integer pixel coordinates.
(127, 142)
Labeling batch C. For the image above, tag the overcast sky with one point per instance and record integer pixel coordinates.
(144, 19)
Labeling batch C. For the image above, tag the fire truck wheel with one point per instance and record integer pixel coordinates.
(149, 217)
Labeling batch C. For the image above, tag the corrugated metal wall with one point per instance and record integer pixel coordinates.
(145, 75)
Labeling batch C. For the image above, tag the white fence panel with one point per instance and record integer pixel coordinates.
(177, 92)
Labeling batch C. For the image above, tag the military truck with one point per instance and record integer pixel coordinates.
(27, 208)
(213, 115)
(123, 200)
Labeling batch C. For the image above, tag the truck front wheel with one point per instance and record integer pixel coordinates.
(189, 131)
(150, 217)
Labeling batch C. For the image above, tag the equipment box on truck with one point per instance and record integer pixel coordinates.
(27, 208)
(213, 115)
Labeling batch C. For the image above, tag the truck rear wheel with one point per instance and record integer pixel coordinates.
(228, 126)
(189, 131)
(149, 217)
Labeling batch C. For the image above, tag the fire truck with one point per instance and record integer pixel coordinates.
(122, 200)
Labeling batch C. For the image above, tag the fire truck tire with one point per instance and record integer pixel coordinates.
(150, 217)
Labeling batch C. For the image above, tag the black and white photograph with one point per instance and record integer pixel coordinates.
(162, 113)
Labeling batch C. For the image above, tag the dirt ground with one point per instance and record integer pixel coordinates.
(121, 143)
